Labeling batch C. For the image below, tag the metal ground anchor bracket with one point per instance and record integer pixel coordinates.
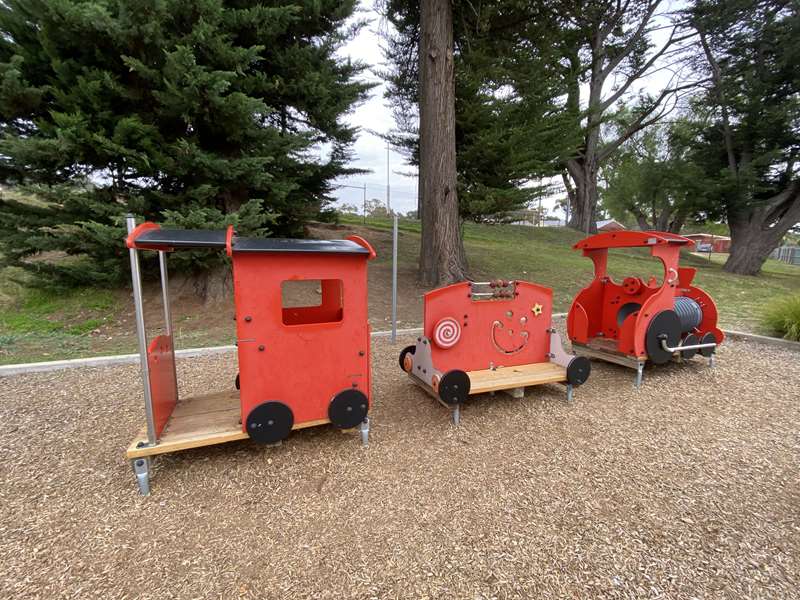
(639, 372)
(364, 427)
(141, 468)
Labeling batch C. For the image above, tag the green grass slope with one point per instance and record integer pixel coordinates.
(544, 255)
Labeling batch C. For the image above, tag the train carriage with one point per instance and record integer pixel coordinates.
(481, 337)
(300, 364)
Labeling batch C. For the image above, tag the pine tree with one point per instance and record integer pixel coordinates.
(191, 112)
(748, 130)
(510, 126)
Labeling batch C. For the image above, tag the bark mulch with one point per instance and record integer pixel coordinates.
(687, 488)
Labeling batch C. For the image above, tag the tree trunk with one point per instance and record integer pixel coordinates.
(442, 257)
(757, 230)
(583, 216)
(750, 249)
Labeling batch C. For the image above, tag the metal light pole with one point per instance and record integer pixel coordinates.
(388, 189)
(394, 281)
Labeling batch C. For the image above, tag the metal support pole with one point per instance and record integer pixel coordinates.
(569, 392)
(141, 468)
(388, 188)
(456, 414)
(365, 432)
(394, 281)
(365, 204)
(141, 334)
(639, 372)
(162, 265)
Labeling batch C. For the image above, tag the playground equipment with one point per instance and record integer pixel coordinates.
(299, 366)
(488, 336)
(631, 322)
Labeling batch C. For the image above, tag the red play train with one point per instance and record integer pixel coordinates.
(490, 336)
(278, 346)
(477, 336)
(633, 321)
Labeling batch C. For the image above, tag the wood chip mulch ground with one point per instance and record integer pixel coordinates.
(687, 488)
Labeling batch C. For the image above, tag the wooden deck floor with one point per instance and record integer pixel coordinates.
(200, 421)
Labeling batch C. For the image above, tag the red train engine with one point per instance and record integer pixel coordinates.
(490, 336)
(299, 365)
(633, 321)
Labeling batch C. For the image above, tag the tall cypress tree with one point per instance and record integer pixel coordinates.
(510, 124)
(194, 112)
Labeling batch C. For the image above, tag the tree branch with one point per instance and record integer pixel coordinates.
(633, 40)
(641, 71)
(791, 213)
(716, 78)
(642, 121)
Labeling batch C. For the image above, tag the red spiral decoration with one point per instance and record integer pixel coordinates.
(447, 332)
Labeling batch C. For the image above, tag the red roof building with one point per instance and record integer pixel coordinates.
(718, 243)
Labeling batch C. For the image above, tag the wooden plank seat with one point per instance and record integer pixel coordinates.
(504, 378)
(200, 421)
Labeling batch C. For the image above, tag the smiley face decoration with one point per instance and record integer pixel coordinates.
(475, 333)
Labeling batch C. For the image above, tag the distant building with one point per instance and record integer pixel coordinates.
(610, 225)
(717, 243)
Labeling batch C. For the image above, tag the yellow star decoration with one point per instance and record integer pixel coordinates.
(537, 309)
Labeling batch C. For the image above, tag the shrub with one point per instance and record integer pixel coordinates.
(782, 317)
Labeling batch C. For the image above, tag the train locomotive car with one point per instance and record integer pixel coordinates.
(299, 365)
(488, 336)
(633, 321)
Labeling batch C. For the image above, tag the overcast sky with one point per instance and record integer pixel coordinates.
(369, 151)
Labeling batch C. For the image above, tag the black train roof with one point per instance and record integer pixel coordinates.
(209, 238)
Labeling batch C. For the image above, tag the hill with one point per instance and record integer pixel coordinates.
(36, 325)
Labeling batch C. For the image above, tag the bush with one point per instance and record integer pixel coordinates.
(782, 317)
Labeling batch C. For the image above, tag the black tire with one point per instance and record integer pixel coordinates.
(236, 382)
(270, 422)
(664, 326)
(348, 408)
(454, 387)
(708, 338)
(578, 370)
(689, 340)
(403, 352)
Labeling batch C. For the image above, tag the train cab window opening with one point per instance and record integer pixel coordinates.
(310, 301)
(634, 262)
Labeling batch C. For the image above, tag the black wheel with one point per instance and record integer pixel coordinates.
(708, 338)
(689, 340)
(270, 422)
(406, 351)
(665, 326)
(578, 370)
(236, 383)
(454, 387)
(348, 408)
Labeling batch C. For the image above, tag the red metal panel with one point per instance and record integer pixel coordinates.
(163, 388)
(631, 239)
(130, 241)
(298, 363)
(492, 331)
